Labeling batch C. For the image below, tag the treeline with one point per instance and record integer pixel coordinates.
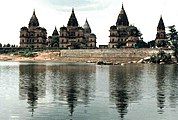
(8, 46)
(170, 42)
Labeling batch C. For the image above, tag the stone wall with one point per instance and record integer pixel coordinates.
(110, 55)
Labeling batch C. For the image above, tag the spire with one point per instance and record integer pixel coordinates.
(161, 34)
(34, 12)
(33, 21)
(55, 32)
(122, 6)
(86, 27)
(161, 24)
(72, 20)
(122, 18)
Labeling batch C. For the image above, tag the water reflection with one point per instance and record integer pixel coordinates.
(79, 91)
(173, 81)
(167, 82)
(73, 84)
(124, 86)
(161, 79)
(167, 86)
(32, 84)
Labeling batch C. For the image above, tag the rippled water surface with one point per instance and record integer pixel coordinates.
(55, 91)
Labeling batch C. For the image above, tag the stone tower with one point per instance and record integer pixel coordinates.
(75, 37)
(34, 36)
(86, 27)
(122, 34)
(89, 36)
(53, 41)
(122, 19)
(33, 21)
(161, 34)
(72, 20)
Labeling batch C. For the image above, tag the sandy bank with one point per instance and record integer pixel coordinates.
(86, 55)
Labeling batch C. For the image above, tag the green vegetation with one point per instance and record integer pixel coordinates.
(162, 43)
(161, 57)
(55, 42)
(27, 53)
(173, 40)
(172, 35)
(151, 44)
(141, 44)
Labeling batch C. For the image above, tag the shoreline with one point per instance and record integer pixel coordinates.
(97, 56)
(39, 58)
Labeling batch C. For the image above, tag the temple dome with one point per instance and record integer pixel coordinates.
(161, 25)
(72, 20)
(55, 32)
(122, 18)
(86, 27)
(33, 21)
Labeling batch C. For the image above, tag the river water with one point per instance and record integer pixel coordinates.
(56, 91)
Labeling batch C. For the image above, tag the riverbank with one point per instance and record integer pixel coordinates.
(113, 56)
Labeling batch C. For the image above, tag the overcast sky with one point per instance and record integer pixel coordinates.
(101, 14)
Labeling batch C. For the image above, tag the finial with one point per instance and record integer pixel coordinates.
(33, 11)
(122, 5)
(72, 9)
(86, 22)
(161, 16)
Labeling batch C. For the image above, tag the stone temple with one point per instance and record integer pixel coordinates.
(122, 34)
(161, 32)
(33, 36)
(73, 36)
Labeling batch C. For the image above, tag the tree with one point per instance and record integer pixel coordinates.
(162, 43)
(161, 56)
(151, 44)
(55, 42)
(173, 37)
(0, 45)
(12, 46)
(173, 34)
(8, 45)
(139, 34)
(141, 44)
(4, 45)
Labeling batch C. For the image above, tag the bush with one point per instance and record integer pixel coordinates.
(141, 44)
(27, 53)
(161, 57)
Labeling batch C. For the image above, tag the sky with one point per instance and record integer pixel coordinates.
(101, 14)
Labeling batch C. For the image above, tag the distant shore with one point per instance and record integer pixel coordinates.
(101, 56)
(41, 57)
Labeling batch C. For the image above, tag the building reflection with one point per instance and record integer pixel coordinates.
(161, 87)
(73, 84)
(173, 83)
(32, 84)
(124, 86)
